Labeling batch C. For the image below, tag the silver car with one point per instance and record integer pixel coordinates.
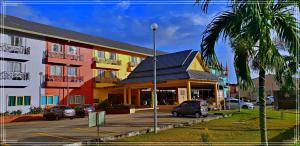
(234, 104)
(58, 112)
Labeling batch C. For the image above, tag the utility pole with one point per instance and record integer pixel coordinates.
(154, 27)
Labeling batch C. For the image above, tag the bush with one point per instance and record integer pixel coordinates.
(17, 112)
(4, 114)
(205, 137)
(35, 110)
(103, 104)
(123, 106)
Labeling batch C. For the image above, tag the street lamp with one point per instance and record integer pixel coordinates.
(68, 65)
(154, 27)
(40, 89)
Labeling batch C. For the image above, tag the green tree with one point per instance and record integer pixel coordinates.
(251, 27)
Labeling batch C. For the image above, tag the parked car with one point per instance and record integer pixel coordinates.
(269, 100)
(58, 112)
(234, 104)
(83, 110)
(196, 108)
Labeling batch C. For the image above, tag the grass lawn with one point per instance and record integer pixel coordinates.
(240, 127)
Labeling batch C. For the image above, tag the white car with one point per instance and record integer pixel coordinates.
(234, 104)
(269, 100)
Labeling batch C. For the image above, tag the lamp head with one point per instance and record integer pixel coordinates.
(154, 26)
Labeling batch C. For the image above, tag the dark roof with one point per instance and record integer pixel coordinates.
(171, 66)
(46, 30)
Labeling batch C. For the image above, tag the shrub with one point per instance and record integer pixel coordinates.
(104, 104)
(4, 114)
(17, 112)
(35, 110)
(205, 137)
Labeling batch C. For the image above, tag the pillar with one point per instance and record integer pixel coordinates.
(189, 93)
(125, 96)
(138, 98)
(216, 95)
(129, 96)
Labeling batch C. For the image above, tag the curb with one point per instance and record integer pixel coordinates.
(148, 130)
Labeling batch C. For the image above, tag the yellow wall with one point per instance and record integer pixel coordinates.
(122, 73)
(196, 65)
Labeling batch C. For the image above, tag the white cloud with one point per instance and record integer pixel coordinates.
(171, 30)
(124, 5)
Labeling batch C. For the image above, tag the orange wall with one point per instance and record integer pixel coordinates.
(85, 70)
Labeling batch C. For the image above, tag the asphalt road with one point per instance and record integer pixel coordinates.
(71, 131)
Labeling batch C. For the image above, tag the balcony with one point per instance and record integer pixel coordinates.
(20, 79)
(63, 81)
(131, 66)
(62, 58)
(107, 63)
(15, 52)
(101, 82)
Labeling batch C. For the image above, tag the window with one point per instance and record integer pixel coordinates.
(72, 71)
(112, 74)
(16, 40)
(12, 66)
(56, 70)
(101, 54)
(77, 99)
(101, 73)
(49, 100)
(57, 48)
(113, 56)
(134, 59)
(11, 101)
(27, 100)
(72, 50)
(19, 100)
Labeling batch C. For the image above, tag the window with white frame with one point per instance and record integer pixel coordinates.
(57, 48)
(72, 71)
(55, 70)
(134, 59)
(72, 50)
(77, 99)
(101, 73)
(112, 56)
(112, 74)
(15, 40)
(13, 66)
(101, 54)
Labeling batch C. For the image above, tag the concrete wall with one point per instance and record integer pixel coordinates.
(34, 65)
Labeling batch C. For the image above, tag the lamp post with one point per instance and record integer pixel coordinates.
(154, 27)
(40, 89)
(68, 65)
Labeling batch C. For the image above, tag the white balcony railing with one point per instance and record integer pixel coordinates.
(15, 49)
(7, 75)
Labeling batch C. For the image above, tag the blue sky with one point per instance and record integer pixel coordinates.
(180, 26)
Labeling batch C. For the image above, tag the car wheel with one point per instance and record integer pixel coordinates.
(175, 114)
(71, 118)
(197, 115)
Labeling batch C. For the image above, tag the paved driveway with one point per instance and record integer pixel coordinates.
(71, 131)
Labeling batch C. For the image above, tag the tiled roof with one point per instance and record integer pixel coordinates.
(171, 66)
(46, 30)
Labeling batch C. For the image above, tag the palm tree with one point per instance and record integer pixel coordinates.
(251, 27)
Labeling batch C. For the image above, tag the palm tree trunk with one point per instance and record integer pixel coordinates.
(262, 108)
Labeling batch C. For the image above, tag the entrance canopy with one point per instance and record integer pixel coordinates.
(181, 71)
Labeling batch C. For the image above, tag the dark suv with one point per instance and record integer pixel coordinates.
(196, 108)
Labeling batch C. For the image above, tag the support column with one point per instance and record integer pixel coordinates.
(129, 96)
(216, 95)
(125, 96)
(138, 98)
(189, 94)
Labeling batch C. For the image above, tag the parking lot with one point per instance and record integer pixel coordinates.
(76, 130)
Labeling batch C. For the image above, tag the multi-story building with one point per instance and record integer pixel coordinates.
(43, 65)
